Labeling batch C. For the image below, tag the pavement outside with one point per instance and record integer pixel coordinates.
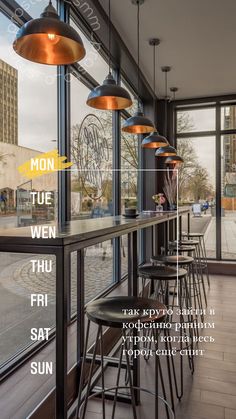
(17, 282)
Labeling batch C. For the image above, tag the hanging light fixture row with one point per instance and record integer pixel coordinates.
(48, 40)
(154, 140)
(138, 124)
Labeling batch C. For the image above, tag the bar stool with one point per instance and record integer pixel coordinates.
(200, 237)
(109, 312)
(191, 247)
(194, 291)
(163, 275)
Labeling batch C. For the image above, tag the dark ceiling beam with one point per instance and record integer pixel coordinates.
(11, 8)
(210, 100)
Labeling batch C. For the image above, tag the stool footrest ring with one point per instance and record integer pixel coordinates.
(124, 387)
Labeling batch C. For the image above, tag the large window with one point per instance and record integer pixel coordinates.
(28, 127)
(91, 184)
(91, 150)
(206, 139)
(197, 185)
(228, 195)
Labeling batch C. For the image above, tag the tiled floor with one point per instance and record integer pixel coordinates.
(211, 392)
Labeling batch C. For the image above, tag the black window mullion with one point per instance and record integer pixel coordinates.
(116, 183)
(14, 11)
(218, 183)
(64, 176)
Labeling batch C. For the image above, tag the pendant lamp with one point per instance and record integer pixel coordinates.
(109, 95)
(176, 160)
(138, 124)
(174, 90)
(167, 150)
(154, 140)
(48, 40)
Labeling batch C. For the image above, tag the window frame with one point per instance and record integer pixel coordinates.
(8, 7)
(205, 103)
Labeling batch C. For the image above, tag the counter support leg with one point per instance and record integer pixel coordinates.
(80, 309)
(62, 270)
(133, 290)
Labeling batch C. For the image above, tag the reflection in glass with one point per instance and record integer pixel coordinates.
(93, 62)
(134, 98)
(228, 117)
(91, 150)
(129, 170)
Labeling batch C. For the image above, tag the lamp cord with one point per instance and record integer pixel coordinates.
(138, 46)
(109, 34)
(166, 103)
(154, 75)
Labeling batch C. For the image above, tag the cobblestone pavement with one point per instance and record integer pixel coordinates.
(18, 282)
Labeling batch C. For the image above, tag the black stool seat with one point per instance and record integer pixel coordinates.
(193, 234)
(161, 272)
(110, 311)
(182, 260)
(189, 242)
(185, 243)
(182, 248)
(157, 258)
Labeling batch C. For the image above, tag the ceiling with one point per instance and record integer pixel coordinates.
(198, 39)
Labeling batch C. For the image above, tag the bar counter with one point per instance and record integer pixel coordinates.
(76, 236)
(88, 229)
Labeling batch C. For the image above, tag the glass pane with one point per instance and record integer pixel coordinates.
(197, 186)
(21, 282)
(124, 254)
(228, 117)
(134, 107)
(34, 8)
(129, 170)
(228, 197)
(93, 62)
(98, 269)
(91, 150)
(28, 127)
(196, 120)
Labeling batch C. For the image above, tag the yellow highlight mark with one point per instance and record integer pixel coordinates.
(43, 164)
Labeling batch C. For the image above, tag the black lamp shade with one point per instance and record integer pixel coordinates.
(48, 40)
(138, 124)
(109, 96)
(154, 140)
(166, 151)
(174, 160)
